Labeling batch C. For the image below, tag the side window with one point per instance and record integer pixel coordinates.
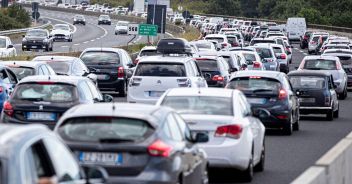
(4, 77)
(175, 131)
(94, 90)
(195, 68)
(189, 69)
(12, 76)
(77, 69)
(84, 91)
(67, 170)
(45, 70)
(183, 127)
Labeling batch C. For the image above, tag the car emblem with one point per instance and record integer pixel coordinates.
(40, 107)
(158, 82)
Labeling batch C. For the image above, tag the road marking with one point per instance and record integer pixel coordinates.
(74, 27)
(85, 42)
(98, 38)
(76, 44)
(92, 40)
(64, 46)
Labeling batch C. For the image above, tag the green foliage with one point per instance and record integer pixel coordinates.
(225, 7)
(114, 3)
(14, 17)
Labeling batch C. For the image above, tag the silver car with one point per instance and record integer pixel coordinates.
(268, 57)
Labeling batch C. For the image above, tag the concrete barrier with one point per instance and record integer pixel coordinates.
(335, 167)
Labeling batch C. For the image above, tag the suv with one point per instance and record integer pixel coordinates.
(156, 74)
(216, 71)
(37, 39)
(104, 19)
(112, 66)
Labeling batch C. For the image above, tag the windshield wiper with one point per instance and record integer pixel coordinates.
(32, 99)
(115, 140)
(313, 68)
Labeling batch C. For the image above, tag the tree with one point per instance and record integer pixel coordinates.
(249, 8)
(224, 7)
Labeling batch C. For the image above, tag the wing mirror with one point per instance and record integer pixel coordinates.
(108, 98)
(95, 174)
(200, 137)
(10, 46)
(261, 113)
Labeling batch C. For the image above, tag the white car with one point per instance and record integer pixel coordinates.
(220, 38)
(121, 27)
(236, 137)
(62, 32)
(6, 47)
(281, 56)
(251, 59)
(146, 51)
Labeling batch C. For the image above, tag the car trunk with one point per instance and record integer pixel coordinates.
(312, 97)
(105, 72)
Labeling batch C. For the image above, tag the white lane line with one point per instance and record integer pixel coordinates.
(85, 42)
(76, 44)
(74, 27)
(92, 40)
(64, 46)
(98, 38)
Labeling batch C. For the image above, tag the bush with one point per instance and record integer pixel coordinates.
(14, 17)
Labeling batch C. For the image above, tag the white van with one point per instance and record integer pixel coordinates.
(295, 27)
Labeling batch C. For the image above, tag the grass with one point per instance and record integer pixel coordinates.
(190, 33)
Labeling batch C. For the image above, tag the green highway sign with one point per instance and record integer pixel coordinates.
(148, 30)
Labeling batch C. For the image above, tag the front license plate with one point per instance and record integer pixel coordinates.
(100, 158)
(256, 100)
(307, 100)
(45, 116)
(34, 47)
(156, 93)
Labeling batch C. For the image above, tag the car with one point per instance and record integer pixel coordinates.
(104, 19)
(37, 39)
(79, 19)
(156, 74)
(6, 47)
(332, 65)
(221, 39)
(282, 58)
(135, 143)
(272, 91)
(215, 70)
(236, 136)
(289, 52)
(113, 67)
(268, 57)
(121, 27)
(275, 34)
(24, 69)
(316, 91)
(205, 48)
(8, 82)
(295, 27)
(35, 149)
(238, 35)
(145, 51)
(234, 61)
(333, 46)
(242, 49)
(251, 60)
(313, 41)
(44, 99)
(233, 41)
(261, 40)
(62, 32)
(320, 43)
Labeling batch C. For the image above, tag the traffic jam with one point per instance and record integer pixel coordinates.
(192, 106)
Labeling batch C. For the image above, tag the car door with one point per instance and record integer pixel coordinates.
(333, 92)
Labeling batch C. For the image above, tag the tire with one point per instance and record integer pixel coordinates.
(330, 115)
(249, 172)
(336, 113)
(343, 96)
(301, 45)
(310, 52)
(47, 49)
(51, 48)
(115, 33)
(123, 91)
(288, 128)
(260, 166)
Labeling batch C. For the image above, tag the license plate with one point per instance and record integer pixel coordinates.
(307, 100)
(256, 100)
(156, 93)
(100, 158)
(34, 47)
(45, 116)
(102, 77)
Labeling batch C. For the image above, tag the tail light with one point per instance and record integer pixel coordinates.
(327, 100)
(135, 81)
(232, 131)
(313, 42)
(184, 83)
(283, 56)
(305, 37)
(235, 45)
(217, 78)
(282, 117)
(120, 72)
(338, 65)
(282, 94)
(256, 64)
(224, 44)
(8, 109)
(136, 61)
(1, 89)
(159, 149)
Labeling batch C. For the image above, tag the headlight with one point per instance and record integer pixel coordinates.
(45, 40)
(24, 40)
(74, 20)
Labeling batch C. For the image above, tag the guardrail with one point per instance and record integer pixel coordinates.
(16, 31)
(311, 26)
(335, 167)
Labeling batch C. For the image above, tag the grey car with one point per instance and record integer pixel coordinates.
(29, 154)
(135, 143)
(268, 57)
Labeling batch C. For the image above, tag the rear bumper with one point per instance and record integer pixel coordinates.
(314, 110)
(108, 86)
(146, 100)
(9, 120)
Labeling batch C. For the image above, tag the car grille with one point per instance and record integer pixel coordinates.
(38, 42)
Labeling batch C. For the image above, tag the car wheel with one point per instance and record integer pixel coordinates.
(115, 33)
(288, 128)
(296, 124)
(301, 45)
(249, 172)
(330, 115)
(123, 91)
(260, 166)
(336, 113)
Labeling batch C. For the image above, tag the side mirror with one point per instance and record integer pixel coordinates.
(92, 77)
(95, 174)
(23, 36)
(108, 98)
(261, 113)
(200, 137)
(10, 46)
(243, 66)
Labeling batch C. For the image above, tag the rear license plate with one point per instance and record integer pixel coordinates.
(307, 100)
(102, 77)
(46, 116)
(100, 158)
(156, 93)
(34, 47)
(256, 100)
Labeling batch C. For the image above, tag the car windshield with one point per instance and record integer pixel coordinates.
(208, 65)
(218, 39)
(22, 72)
(122, 24)
(160, 70)
(2, 43)
(255, 84)
(204, 46)
(100, 58)
(307, 82)
(45, 91)
(249, 57)
(104, 17)
(62, 27)
(105, 129)
(60, 67)
(253, 42)
(206, 105)
(320, 64)
(264, 52)
(37, 33)
(148, 53)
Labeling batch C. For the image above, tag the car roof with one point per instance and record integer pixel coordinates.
(102, 49)
(264, 39)
(214, 92)
(165, 59)
(215, 35)
(21, 63)
(267, 74)
(55, 58)
(73, 80)
(309, 73)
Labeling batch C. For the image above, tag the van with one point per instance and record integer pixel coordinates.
(295, 28)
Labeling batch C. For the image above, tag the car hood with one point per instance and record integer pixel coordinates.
(60, 32)
(30, 38)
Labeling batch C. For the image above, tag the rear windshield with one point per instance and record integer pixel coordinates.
(316, 38)
(345, 60)
(277, 50)
(307, 82)
(45, 92)
(60, 67)
(208, 65)
(200, 105)
(253, 42)
(100, 58)
(320, 64)
(337, 47)
(204, 46)
(264, 52)
(148, 53)
(22, 72)
(160, 70)
(218, 39)
(255, 84)
(249, 57)
(232, 40)
(105, 129)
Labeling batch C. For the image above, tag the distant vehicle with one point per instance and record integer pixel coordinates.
(221, 39)
(121, 27)
(313, 41)
(145, 51)
(8, 82)
(305, 39)
(268, 57)
(261, 40)
(62, 32)
(280, 53)
(24, 69)
(252, 60)
(233, 60)
(6, 47)
(295, 28)
(79, 19)
(104, 19)
(215, 70)
(37, 39)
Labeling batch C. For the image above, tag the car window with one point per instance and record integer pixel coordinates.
(65, 165)
(148, 53)
(22, 72)
(186, 132)
(320, 64)
(60, 67)
(308, 82)
(84, 91)
(161, 69)
(264, 52)
(77, 69)
(4, 76)
(277, 50)
(175, 131)
(208, 65)
(95, 57)
(93, 88)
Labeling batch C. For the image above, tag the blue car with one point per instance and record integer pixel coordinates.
(8, 81)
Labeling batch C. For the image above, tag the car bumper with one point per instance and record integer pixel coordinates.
(103, 85)
(34, 46)
(314, 110)
(146, 100)
(79, 22)
(9, 120)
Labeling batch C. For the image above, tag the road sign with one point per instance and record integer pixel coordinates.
(132, 29)
(35, 6)
(35, 15)
(148, 29)
(157, 16)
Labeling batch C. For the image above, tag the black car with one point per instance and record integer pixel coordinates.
(37, 39)
(65, 65)
(272, 91)
(303, 43)
(112, 66)
(24, 69)
(43, 99)
(316, 92)
(40, 156)
(135, 143)
(215, 70)
(104, 19)
(79, 19)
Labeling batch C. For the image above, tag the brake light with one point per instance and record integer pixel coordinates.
(232, 131)
(282, 117)
(282, 94)
(283, 56)
(256, 64)
(255, 77)
(8, 109)
(120, 72)
(1, 89)
(217, 78)
(338, 65)
(159, 148)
